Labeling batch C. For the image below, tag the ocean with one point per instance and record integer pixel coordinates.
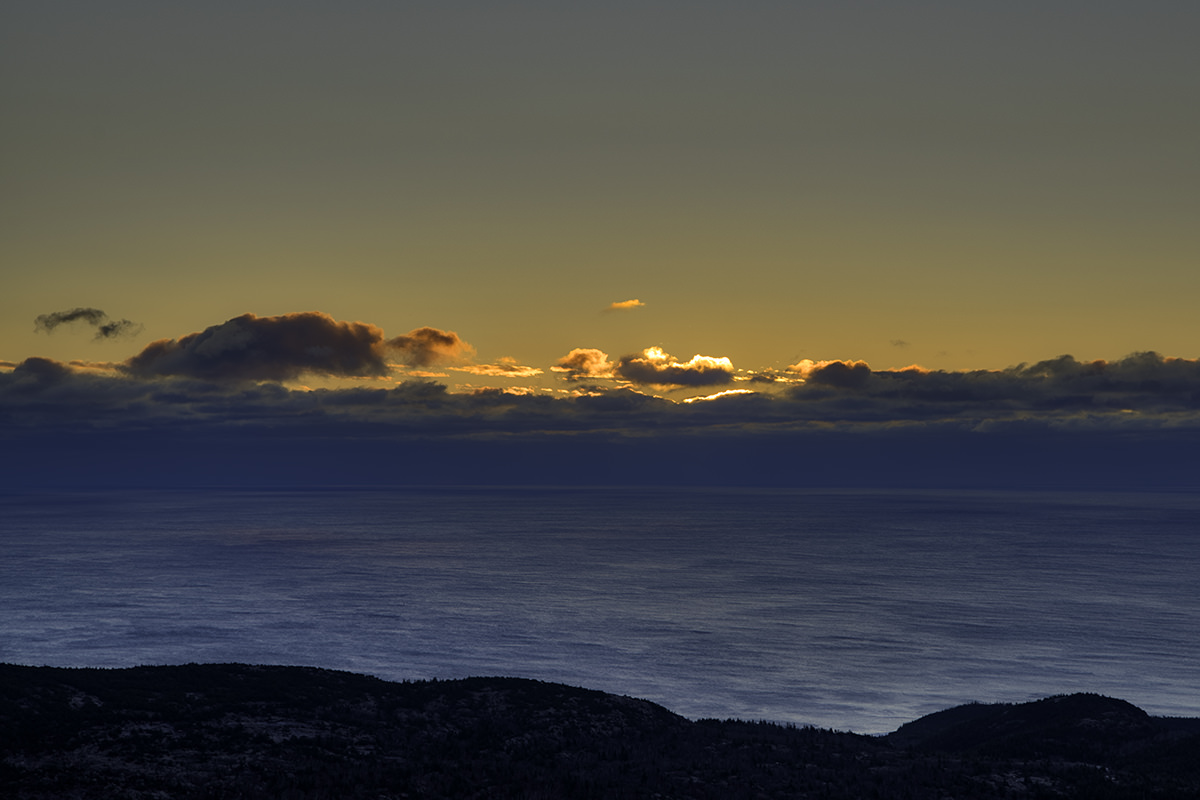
(850, 610)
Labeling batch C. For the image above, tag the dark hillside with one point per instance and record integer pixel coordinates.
(238, 731)
(1083, 728)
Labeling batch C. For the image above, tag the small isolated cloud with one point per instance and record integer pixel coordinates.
(425, 346)
(899, 343)
(504, 368)
(584, 363)
(656, 368)
(625, 305)
(105, 328)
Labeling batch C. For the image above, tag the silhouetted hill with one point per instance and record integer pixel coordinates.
(1085, 728)
(239, 731)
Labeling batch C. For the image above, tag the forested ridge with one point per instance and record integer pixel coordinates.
(242, 731)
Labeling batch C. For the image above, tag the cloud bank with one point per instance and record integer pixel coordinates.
(1145, 383)
(210, 407)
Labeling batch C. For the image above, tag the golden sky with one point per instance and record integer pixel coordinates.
(961, 186)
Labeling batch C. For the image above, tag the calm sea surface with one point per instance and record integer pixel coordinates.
(856, 611)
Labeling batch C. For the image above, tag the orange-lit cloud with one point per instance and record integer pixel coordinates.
(420, 373)
(656, 368)
(584, 363)
(625, 305)
(718, 395)
(505, 368)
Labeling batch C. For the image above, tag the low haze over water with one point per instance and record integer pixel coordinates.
(851, 610)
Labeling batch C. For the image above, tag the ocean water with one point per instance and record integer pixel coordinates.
(850, 610)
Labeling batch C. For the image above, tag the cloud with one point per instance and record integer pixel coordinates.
(252, 348)
(625, 305)
(1142, 382)
(105, 328)
(899, 343)
(1134, 421)
(584, 363)
(40, 371)
(718, 395)
(425, 346)
(48, 322)
(655, 368)
(506, 368)
(769, 376)
(842, 374)
(1143, 390)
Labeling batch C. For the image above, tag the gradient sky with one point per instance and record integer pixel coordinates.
(507, 242)
(958, 185)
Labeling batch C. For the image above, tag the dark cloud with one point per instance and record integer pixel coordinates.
(1141, 391)
(186, 412)
(58, 424)
(841, 374)
(40, 371)
(105, 328)
(584, 363)
(425, 346)
(1142, 382)
(48, 322)
(655, 368)
(899, 343)
(252, 348)
(117, 328)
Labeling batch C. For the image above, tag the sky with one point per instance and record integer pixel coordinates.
(538, 234)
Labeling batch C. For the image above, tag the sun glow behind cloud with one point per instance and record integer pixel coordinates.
(654, 367)
(504, 368)
(717, 396)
